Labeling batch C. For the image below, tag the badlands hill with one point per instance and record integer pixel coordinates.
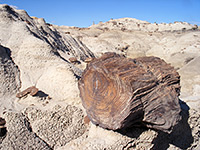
(35, 53)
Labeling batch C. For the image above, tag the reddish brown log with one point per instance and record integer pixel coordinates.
(118, 92)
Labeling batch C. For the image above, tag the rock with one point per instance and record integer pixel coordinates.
(177, 49)
(99, 139)
(9, 78)
(190, 82)
(19, 134)
(9, 72)
(38, 50)
(88, 60)
(57, 126)
(73, 60)
(118, 92)
(60, 82)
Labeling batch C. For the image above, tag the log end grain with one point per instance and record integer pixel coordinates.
(118, 92)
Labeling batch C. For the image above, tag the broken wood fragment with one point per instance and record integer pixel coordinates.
(88, 60)
(31, 90)
(74, 60)
(86, 120)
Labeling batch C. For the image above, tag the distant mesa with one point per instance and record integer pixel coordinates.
(132, 24)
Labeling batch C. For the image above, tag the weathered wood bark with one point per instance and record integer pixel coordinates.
(118, 92)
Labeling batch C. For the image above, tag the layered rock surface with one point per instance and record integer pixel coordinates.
(9, 81)
(35, 53)
(41, 53)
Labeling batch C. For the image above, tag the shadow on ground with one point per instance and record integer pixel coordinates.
(180, 137)
(41, 94)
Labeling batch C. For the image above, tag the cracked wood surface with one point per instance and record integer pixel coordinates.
(118, 92)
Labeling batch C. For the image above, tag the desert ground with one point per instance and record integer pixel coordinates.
(36, 53)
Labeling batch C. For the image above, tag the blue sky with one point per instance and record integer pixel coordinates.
(82, 13)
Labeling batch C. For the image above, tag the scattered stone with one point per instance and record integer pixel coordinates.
(86, 120)
(49, 98)
(33, 17)
(31, 90)
(74, 60)
(67, 32)
(88, 60)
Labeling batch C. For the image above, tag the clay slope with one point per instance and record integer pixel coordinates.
(41, 53)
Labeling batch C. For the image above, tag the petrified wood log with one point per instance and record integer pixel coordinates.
(118, 92)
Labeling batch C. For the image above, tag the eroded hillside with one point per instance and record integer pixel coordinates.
(52, 58)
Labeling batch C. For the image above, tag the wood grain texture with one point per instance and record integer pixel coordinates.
(118, 92)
